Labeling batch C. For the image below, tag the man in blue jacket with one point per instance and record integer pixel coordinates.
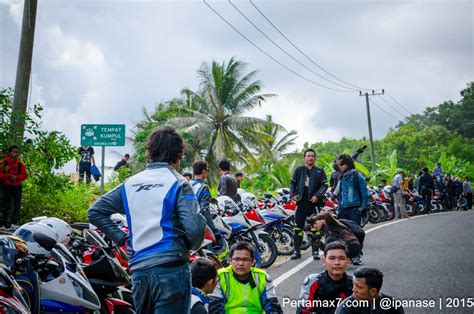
(164, 224)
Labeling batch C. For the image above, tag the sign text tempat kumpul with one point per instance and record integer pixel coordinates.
(103, 135)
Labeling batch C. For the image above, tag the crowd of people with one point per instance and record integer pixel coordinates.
(167, 214)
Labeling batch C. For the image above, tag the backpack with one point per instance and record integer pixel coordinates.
(355, 229)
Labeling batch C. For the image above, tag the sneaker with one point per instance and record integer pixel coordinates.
(296, 255)
(316, 256)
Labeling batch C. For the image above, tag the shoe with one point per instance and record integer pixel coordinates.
(356, 261)
(295, 255)
(316, 256)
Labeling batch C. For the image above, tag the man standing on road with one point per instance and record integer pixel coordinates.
(426, 187)
(366, 295)
(243, 288)
(307, 187)
(164, 224)
(398, 191)
(86, 154)
(12, 173)
(239, 177)
(329, 287)
(201, 190)
(227, 184)
(467, 190)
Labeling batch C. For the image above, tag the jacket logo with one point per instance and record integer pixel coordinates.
(146, 187)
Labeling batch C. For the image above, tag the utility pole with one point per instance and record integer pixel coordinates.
(369, 122)
(23, 71)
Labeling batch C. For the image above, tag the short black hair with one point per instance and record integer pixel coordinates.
(241, 245)
(373, 277)
(12, 148)
(336, 245)
(164, 145)
(224, 165)
(425, 169)
(199, 166)
(126, 155)
(383, 180)
(188, 174)
(202, 270)
(309, 150)
(239, 174)
(345, 159)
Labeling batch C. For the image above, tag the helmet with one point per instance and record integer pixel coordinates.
(226, 203)
(119, 220)
(26, 232)
(61, 227)
(220, 249)
(11, 248)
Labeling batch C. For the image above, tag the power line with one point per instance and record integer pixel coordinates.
(393, 107)
(283, 50)
(390, 95)
(300, 51)
(387, 113)
(269, 56)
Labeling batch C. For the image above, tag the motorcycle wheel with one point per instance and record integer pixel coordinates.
(364, 219)
(374, 215)
(267, 249)
(284, 241)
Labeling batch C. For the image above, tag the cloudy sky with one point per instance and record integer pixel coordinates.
(103, 61)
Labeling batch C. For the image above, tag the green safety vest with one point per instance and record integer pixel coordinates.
(241, 298)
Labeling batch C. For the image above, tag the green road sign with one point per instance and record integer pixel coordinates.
(103, 135)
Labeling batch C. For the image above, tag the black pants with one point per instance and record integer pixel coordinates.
(451, 201)
(85, 168)
(354, 249)
(11, 193)
(304, 210)
(469, 200)
(427, 200)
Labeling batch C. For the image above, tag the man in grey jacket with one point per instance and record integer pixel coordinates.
(164, 224)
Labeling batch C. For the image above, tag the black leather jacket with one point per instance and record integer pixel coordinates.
(317, 182)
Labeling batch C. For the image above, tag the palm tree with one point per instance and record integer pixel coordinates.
(216, 111)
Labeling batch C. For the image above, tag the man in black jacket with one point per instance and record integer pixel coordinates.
(426, 188)
(307, 187)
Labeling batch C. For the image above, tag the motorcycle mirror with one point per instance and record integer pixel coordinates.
(267, 195)
(44, 241)
(214, 201)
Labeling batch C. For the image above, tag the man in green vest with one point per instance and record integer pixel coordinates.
(243, 288)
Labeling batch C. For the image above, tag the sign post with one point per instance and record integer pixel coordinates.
(102, 135)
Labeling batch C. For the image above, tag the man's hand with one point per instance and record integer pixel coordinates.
(294, 198)
(314, 199)
(13, 177)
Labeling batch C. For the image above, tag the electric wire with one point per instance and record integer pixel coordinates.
(393, 98)
(285, 51)
(269, 56)
(300, 51)
(386, 112)
(393, 107)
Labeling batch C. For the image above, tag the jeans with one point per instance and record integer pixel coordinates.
(162, 289)
(349, 213)
(85, 170)
(11, 193)
(400, 206)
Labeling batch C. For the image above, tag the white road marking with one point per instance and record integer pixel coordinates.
(305, 263)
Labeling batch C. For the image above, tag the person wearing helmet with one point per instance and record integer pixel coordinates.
(243, 288)
(164, 224)
(204, 281)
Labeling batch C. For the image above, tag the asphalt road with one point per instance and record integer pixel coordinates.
(429, 257)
